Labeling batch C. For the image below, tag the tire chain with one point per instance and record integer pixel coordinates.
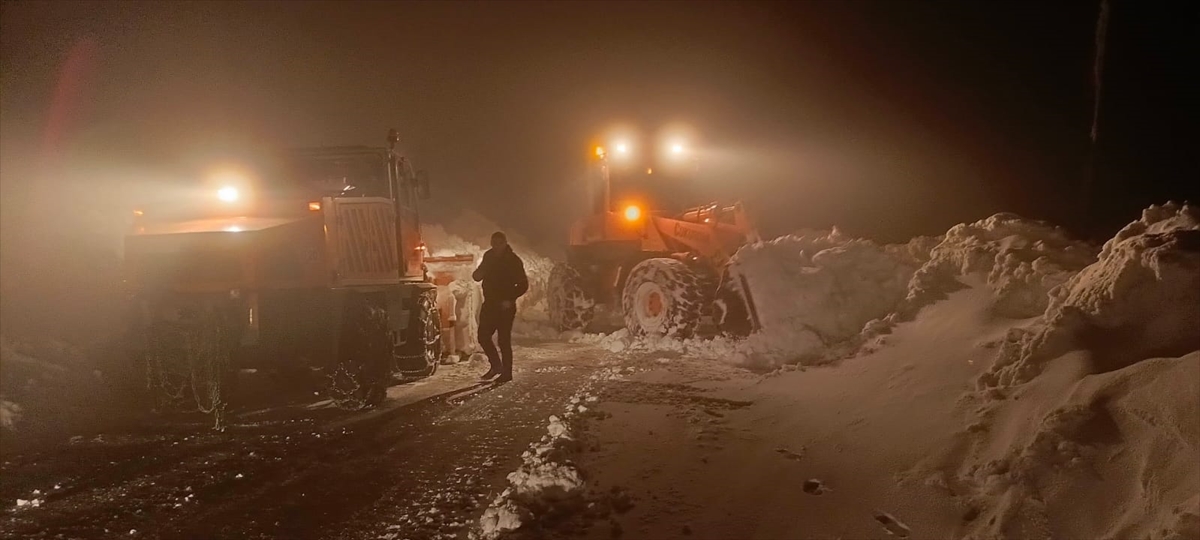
(570, 307)
(695, 291)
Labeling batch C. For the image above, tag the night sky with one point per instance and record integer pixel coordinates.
(889, 118)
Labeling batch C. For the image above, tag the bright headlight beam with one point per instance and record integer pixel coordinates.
(622, 148)
(228, 194)
(677, 149)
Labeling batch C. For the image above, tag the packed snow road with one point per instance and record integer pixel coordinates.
(423, 465)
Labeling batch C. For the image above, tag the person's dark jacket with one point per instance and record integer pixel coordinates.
(503, 276)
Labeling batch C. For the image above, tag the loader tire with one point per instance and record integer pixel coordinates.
(665, 297)
(360, 372)
(571, 307)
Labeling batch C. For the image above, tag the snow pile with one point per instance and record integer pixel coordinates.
(1141, 299)
(1090, 418)
(540, 480)
(546, 477)
(1021, 260)
(815, 290)
(1117, 458)
(915, 252)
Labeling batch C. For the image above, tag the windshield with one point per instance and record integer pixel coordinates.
(358, 174)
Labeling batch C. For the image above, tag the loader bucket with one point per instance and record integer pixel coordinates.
(737, 314)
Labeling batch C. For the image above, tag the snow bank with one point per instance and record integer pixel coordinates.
(814, 290)
(1021, 260)
(1140, 299)
(915, 252)
(1090, 418)
(1117, 458)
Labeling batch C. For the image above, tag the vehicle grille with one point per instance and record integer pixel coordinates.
(366, 241)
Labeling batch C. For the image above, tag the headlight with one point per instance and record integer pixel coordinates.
(228, 194)
(632, 212)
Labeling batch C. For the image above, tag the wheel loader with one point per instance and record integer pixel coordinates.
(662, 272)
(311, 265)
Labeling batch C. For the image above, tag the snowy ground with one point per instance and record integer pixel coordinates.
(424, 465)
(1017, 384)
(999, 381)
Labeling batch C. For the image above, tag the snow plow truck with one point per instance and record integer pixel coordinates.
(313, 265)
(663, 273)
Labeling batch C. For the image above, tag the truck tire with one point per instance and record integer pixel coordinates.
(359, 376)
(664, 297)
(570, 306)
(422, 351)
(168, 378)
(210, 345)
(189, 363)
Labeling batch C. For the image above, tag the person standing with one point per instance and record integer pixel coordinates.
(504, 281)
(448, 310)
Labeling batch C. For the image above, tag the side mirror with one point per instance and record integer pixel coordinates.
(423, 185)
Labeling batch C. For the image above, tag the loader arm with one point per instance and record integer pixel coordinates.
(711, 231)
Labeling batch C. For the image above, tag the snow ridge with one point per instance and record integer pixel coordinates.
(547, 476)
(1140, 299)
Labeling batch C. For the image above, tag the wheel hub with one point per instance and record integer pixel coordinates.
(654, 304)
(650, 307)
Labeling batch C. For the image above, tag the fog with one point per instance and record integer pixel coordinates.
(887, 119)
